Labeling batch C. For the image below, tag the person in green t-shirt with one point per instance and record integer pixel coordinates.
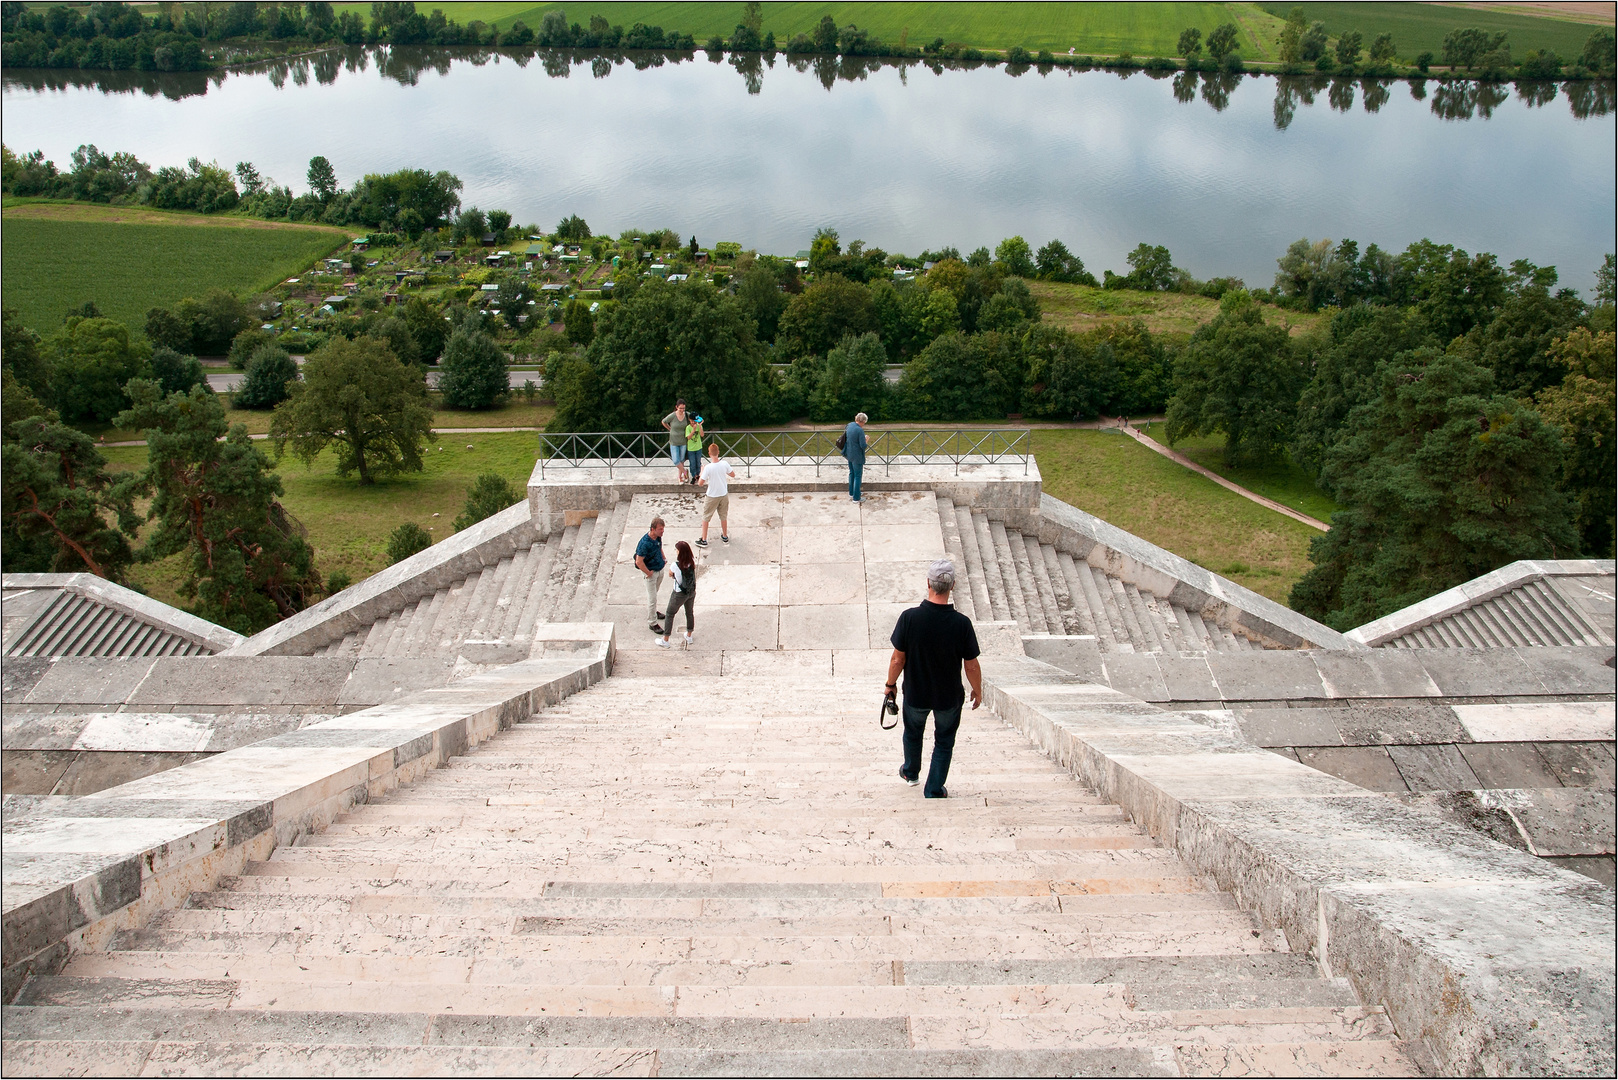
(693, 447)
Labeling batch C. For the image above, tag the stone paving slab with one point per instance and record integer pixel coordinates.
(1563, 721)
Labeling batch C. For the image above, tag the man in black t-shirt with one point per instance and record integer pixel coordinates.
(931, 645)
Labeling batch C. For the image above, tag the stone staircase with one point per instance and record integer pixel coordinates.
(560, 579)
(667, 876)
(1016, 577)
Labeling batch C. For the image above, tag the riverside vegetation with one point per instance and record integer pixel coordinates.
(1459, 411)
(116, 36)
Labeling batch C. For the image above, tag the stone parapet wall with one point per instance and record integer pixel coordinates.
(208, 636)
(1418, 912)
(78, 870)
(422, 574)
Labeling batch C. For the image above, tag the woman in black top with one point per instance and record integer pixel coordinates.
(684, 576)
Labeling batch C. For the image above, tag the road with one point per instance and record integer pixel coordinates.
(233, 381)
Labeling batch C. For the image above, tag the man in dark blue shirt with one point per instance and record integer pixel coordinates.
(649, 561)
(932, 643)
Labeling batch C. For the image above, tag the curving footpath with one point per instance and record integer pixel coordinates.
(1180, 459)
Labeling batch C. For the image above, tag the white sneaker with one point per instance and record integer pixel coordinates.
(688, 637)
(662, 643)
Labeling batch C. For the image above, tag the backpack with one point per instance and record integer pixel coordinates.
(842, 442)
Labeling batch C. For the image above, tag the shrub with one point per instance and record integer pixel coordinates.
(489, 494)
(404, 542)
(337, 581)
(474, 371)
(176, 373)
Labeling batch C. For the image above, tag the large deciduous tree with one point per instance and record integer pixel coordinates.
(473, 371)
(215, 498)
(1583, 405)
(850, 380)
(357, 398)
(271, 371)
(1238, 378)
(667, 341)
(90, 361)
(820, 316)
(1442, 479)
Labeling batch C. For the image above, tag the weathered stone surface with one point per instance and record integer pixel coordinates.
(1508, 765)
(1412, 723)
(89, 681)
(1551, 721)
(1433, 768)
(1289, 727)
(244, 681)
(1579, 764)
(375, 680)
(1368, 767)
(97, 770)
(19, 675)
(1560, 821)
(33, 772)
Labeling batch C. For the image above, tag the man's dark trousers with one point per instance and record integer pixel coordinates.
(946, 722)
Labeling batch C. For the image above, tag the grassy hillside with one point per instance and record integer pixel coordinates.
(1145, 29)
(1080, 307)
(1286, 483)
(1418, 28)
(55, 256)
(1122, 482)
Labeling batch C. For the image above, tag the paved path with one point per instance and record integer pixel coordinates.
(710, 876)
(232, 380)
(1181, 459)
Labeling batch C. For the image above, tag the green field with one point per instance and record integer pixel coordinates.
(1115, 478)
(1144, 29)
(349, 523)
(1080, 307)
(1286, 483)
(56, 256)
(1418, 28)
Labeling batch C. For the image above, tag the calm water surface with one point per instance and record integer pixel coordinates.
(1225, 174)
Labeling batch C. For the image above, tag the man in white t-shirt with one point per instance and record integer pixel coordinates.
(716, 475)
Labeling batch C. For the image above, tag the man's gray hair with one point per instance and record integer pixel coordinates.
(860, 418)
(941, 576)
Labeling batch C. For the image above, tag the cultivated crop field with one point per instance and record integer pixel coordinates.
(1418, 28)
(1080, 307)
(58, 255)
(1145, 29)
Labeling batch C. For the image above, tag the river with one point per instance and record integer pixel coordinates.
(1224, 171)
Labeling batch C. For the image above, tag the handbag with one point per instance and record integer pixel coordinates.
(842, 442)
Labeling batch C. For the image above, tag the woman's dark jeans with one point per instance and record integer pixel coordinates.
(676, 602)
(945, 724)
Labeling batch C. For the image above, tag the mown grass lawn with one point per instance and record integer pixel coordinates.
(1283, 481)
(1144, 29)
(1080, 307)
(349, 522)
(56, 256)
(1115, 478)
(515, 413)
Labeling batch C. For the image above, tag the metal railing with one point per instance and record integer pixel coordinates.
(744, 449)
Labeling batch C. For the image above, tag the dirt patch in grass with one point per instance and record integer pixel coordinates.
(1118, 480)
(1080, 307)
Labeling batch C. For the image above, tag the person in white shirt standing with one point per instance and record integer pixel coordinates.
(716, 475)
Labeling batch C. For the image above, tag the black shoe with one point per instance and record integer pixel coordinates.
(911, 780)
(702, 543)
(657, 628)
(726, 539)
(943, 793)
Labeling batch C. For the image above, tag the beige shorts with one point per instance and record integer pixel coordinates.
(720, 503)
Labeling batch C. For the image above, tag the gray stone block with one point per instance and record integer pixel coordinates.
(1266, 676)
(1563, 821)
(90, 681)
(1188, 678)
(98, 770)
(19, 675)
(1288, 727)
(1375, 673)
(68, 1023)
(244, 680)
(1078, 655)
(974, 1062)
(376, 679)
(1572, 669)
(1136, 674)
(1579, 764)
(696, 1032)
(1479, 672)
(42, 731)
(1410, 723)
(1465, 808)
(33, 772)
(1433, 768)
(1370, 767)
(1508, 765)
